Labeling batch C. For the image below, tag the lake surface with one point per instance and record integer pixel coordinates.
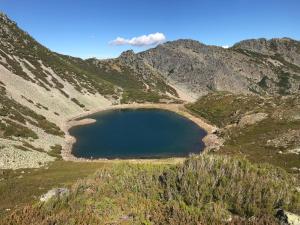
(137, 133)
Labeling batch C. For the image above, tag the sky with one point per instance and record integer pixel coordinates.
(105, 28)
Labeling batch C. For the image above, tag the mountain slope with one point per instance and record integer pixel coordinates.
(56, 87)
(42, 89)
(287, 48)
(200, 68)
(262, 129)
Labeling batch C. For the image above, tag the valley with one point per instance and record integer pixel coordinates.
(246, 97)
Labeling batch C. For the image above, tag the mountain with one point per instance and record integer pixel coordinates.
(249, 92)
(286, 48)
(41, 89)
(195, 69)
(200, 68)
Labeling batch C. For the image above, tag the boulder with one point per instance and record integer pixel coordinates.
(55, 192)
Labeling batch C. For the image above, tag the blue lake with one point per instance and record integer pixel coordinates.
(137, 133)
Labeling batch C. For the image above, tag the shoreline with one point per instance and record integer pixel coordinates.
(210, 140)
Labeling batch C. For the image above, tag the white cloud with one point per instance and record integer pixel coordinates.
(225, 46)
(144, 40)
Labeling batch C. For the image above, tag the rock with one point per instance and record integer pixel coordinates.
(282, 217)
(203, 68)
(293, 219)
(213, 142)
(56, 192)
(296, 169)
(285, 140)
(294, 151)
(287, 218)
(252, 119)
(286, 47)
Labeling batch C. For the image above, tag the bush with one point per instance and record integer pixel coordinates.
(202, 190)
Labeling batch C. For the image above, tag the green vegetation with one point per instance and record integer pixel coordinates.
(223, 109)
(284, 83)
(140, 96)
(136, 88)
(263, 82)
(56, 151)
(9, 128)
(77, 102)
(252, 141)
(28, 50)
(24, 186)
(203, 190)
(15, 116)
(108, 78)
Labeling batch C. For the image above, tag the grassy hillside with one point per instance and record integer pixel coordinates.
(270, 140)
(15, 116)
(18, 50)
(203, 190)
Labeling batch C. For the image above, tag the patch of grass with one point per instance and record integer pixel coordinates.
(9, 128)
(225, 109)
(284, 83)
(15, 191)
(135, 95)
(251, 142)
(202, 190)
(56, 151)
(16, 116)
(77, 102)
(263, 82)
(27, 145)
(22, 148)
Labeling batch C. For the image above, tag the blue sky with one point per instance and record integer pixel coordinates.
(85, 28)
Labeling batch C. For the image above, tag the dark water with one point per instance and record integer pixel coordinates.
(137, 133)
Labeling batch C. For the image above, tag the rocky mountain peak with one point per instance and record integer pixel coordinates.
(129, 53)
(128, 57)
(4, 19)
(186, 43)
(2, 15)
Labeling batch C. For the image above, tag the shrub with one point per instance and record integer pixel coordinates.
(203, 190)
